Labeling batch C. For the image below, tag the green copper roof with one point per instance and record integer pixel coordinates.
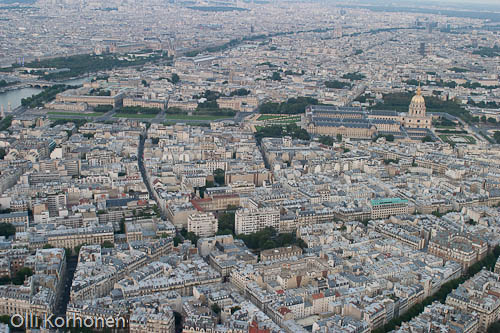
(388, 201)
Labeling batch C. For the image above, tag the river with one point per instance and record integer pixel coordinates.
(15, 96)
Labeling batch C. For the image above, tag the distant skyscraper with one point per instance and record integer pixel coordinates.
(422, 49)
(338, 31)
(2, 113)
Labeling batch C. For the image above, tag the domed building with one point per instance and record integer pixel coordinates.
(359, 123)
(416, 117)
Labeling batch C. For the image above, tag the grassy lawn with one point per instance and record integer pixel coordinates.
(448, 138)
(284, 121)
(279, 117)
(90, 114)
(445, 127)
(269, 116)
(194, 117)
(133, 115)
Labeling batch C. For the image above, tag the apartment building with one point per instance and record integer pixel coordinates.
(248, 221)
(461, 248)
(480, 294)
(69, 238)
(144, 320)
(280, 253)
(202, 224)
(14, 218)
(383, 208)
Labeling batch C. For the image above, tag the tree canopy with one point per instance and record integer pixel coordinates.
(278, 131)
(7, 229)
(269, 238)
(219, 176)
(226, 224)
(291, 106)
(175, 78)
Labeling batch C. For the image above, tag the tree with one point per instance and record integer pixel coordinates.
(219, 176)
(269, 238)
(353, 76)
(390, 160)
(175, 78)
(483, 119)
(21, 275)
(494, 328)
(326, 140)
(76, 249)
(335, 84)
(240, 92)
(278, 131)
(301, 243)
(138, 110)
(492, 120)
(226, 224)
(216, 308)
(5, 319)
(107, 244)
(496, 136)
(122, 226)
(5, 280)
(156, 210)
(339, 137)
(291, 106)
(388, 137)
(48, 246)
(189, 236)
(269, 244)
(427, 138)
(7, 229)
(5, 123)
(276, 76)
(2, 153)
(178, 322)
(103, 108)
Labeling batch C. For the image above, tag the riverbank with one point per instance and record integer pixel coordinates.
(15, 95)
(13, 87)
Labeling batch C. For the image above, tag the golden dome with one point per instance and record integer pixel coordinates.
(418, 98)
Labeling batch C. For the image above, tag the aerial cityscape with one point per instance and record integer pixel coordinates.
(261, 166)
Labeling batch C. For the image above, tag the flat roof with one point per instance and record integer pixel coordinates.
(13, 214)
(387, 201)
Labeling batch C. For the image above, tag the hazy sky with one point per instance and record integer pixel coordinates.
(454, 4)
